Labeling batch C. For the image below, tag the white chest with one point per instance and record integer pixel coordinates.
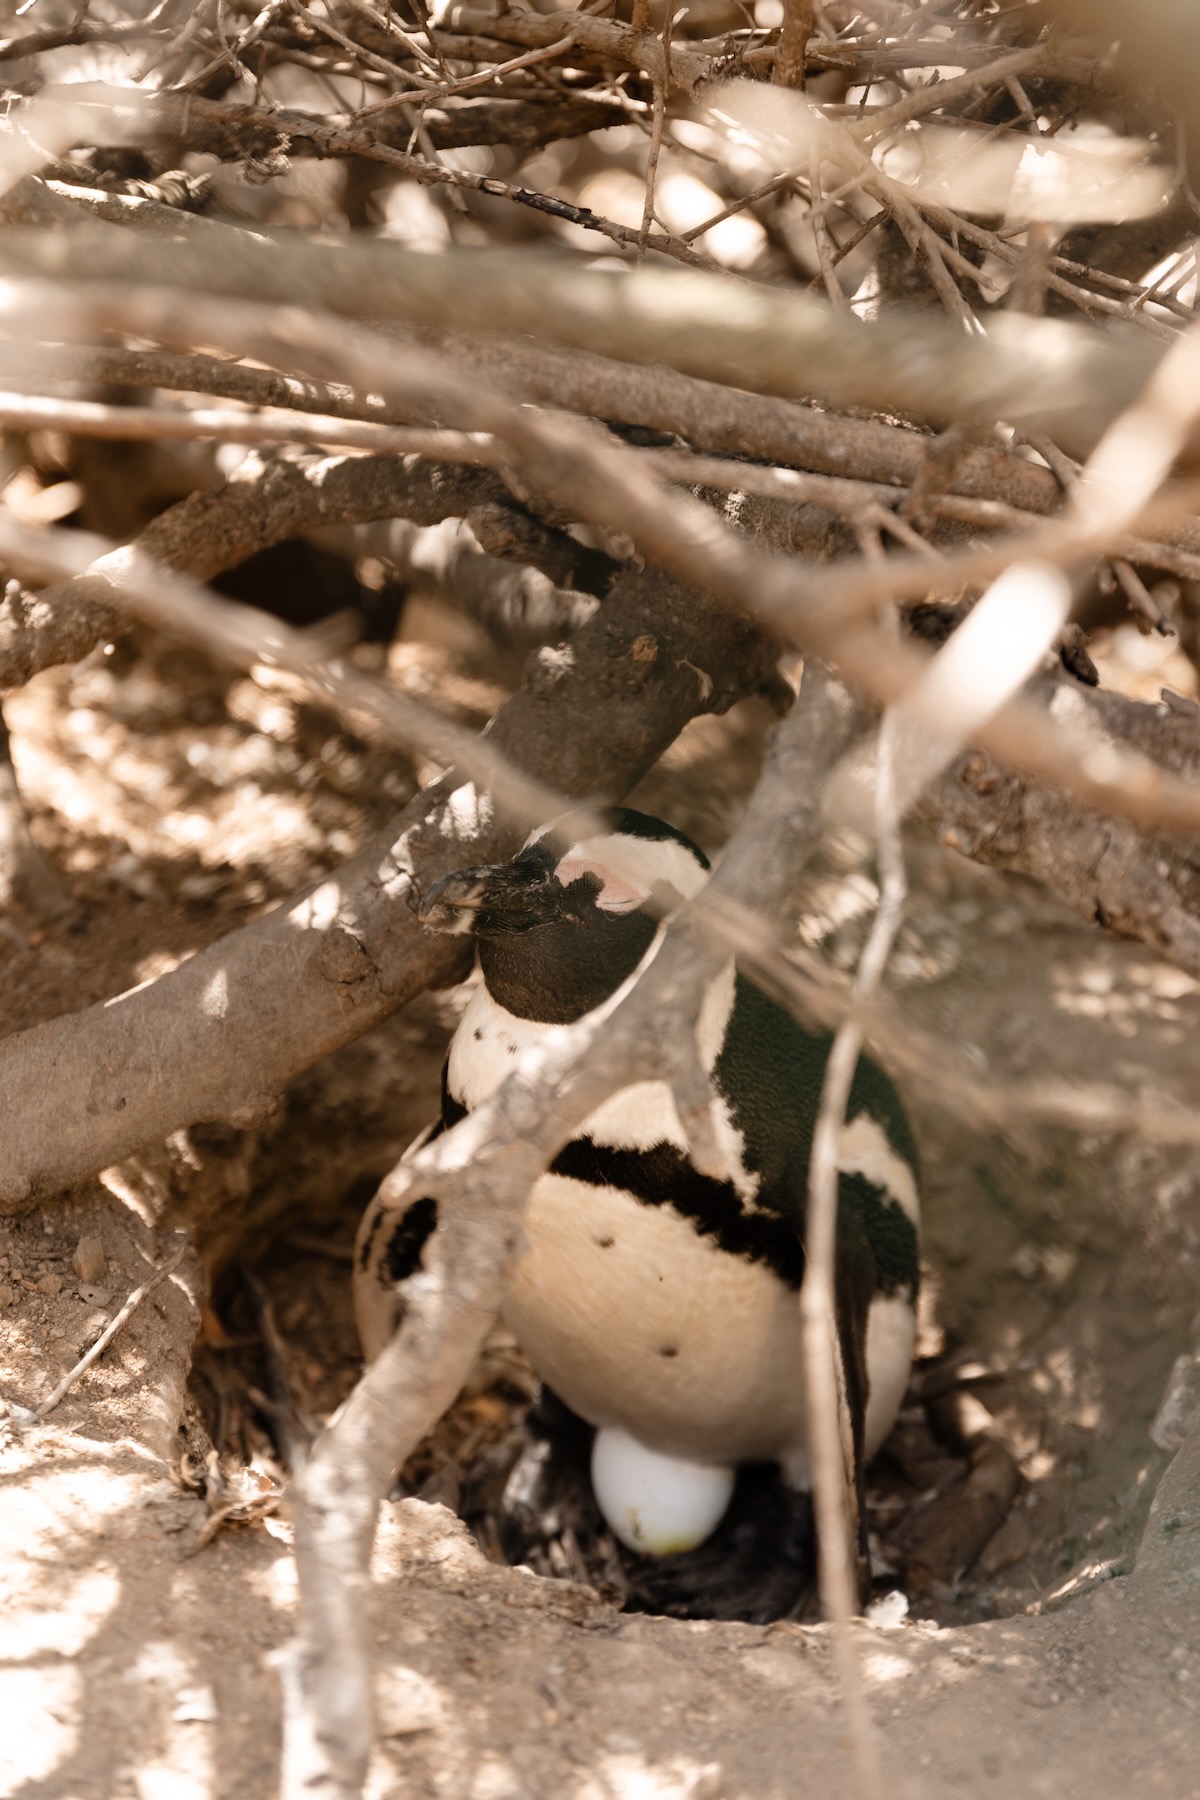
(636, 1318)
(639, 1322)
(489, 1039)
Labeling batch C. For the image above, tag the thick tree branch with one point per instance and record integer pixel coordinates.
(220, 1036)
(208, 533)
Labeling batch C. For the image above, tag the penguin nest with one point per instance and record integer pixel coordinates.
(1059, 1273)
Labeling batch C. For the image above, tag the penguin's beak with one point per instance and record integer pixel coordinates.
(492, 901)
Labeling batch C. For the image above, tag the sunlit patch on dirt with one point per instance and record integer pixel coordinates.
(45, 1701)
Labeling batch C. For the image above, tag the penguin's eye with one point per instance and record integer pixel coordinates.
(615, 894)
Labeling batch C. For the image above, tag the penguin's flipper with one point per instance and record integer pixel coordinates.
(389, 1248)
(391, 1240)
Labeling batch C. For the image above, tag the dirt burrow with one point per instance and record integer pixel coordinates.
(1064, 1269)
(1060, 1273)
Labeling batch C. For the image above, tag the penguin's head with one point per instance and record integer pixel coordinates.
(562, 925)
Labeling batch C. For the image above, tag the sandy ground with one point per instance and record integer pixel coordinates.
(1061, 1277)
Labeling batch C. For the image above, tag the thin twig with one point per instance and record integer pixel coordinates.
(464, 85)
(658, 118)
(94, 418)
(821, 236)
(832, 1457)
(1148, 614)
(106, 1337)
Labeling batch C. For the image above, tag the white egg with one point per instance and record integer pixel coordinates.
(656, 1503)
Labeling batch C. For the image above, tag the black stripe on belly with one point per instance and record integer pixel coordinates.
(868, 1216)
(664, 1175)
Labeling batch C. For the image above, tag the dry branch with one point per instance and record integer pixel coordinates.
(982, 483)
(80, 31)
(589, 477)
(708, 415)
(181, 124)
(1040, 370)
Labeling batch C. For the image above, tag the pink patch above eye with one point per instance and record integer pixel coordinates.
(616, 894)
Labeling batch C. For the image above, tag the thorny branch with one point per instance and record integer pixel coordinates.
(838, 1524)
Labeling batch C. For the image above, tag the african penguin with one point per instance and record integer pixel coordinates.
(658, 1302)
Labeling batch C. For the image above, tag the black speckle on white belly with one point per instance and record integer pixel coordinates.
(639, 1322)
